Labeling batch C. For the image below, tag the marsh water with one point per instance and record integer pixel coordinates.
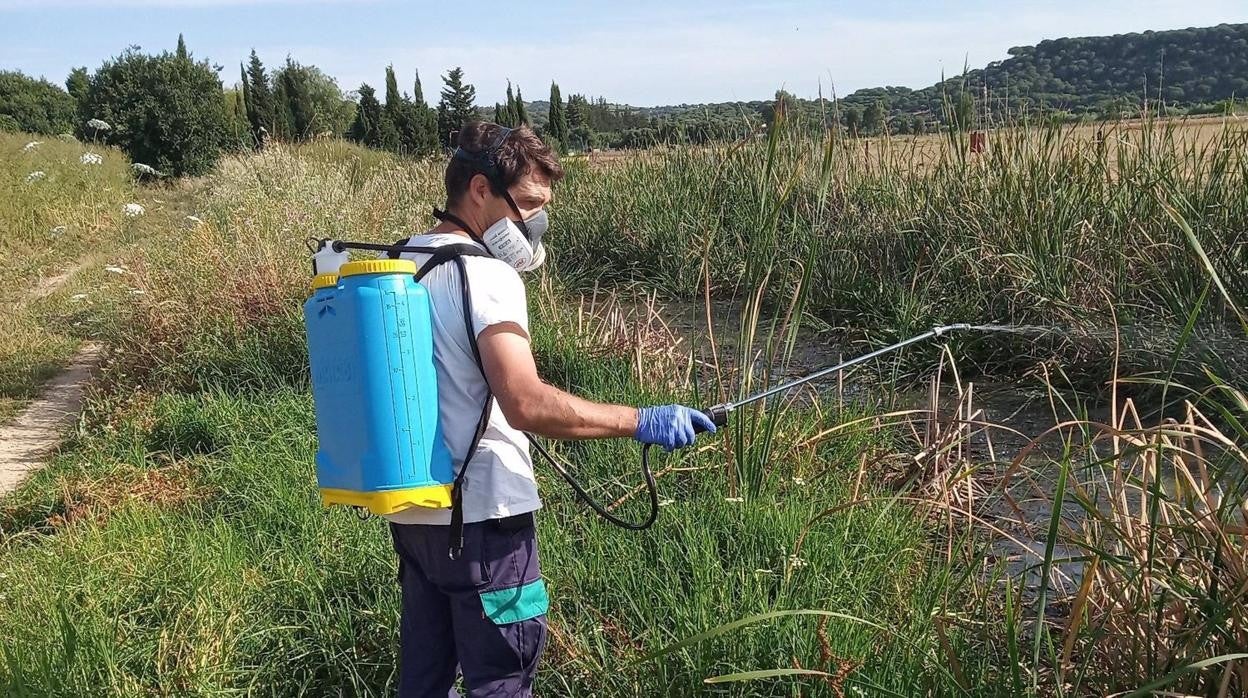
(1012, 451)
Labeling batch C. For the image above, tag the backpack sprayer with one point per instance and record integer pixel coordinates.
(374, 386)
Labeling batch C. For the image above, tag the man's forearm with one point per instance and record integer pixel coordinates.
(556, 414)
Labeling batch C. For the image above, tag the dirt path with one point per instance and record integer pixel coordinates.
(29, 439)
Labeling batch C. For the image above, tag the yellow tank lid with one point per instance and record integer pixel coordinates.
(324, 281)
(378, 266)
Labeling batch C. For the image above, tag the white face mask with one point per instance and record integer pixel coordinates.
(506, 242)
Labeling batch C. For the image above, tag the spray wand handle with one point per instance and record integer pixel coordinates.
(718, 416)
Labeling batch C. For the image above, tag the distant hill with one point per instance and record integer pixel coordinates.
(1187, 69)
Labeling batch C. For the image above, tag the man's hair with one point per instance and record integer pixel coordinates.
(521, 152)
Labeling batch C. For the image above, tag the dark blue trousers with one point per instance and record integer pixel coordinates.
(483, 615)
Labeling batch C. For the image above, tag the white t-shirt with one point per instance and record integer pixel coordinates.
(500, 480)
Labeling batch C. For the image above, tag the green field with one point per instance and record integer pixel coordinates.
(177, 546)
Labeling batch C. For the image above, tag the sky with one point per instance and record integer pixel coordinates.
(639, 52)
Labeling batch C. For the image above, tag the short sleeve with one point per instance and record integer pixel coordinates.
(497, 295)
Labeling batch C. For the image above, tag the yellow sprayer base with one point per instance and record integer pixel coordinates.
(391, 501)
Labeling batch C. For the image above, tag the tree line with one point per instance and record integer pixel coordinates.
(172, 112)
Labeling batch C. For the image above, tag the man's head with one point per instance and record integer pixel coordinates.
(524, 169)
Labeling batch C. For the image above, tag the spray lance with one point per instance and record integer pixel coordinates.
(347, 381)
(718, 414)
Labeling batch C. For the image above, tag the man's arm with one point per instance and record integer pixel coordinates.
(534, 406)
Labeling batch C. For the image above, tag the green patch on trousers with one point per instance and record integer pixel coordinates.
(517, 603)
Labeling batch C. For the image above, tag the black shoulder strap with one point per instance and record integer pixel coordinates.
(440, 255)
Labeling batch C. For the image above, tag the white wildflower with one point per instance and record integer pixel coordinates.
(35, 176)
(78, 297)
(798, 481)
(57, 230)
(91, 159)
(666, 502)
(138, 292)
(133, 210)
(31, 146)
(114, 269)
(140, 168)
(734, 499)
(68, 138)
(795, 561)
(99, 125)
(195, 219)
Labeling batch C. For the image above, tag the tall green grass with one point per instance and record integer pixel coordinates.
(1045, 228)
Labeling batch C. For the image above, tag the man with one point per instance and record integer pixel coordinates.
(485, 610)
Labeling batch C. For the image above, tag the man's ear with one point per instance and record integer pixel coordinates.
(479, 188)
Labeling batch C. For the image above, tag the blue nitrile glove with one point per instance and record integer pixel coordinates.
(671, 426)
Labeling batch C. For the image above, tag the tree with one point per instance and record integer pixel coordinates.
(309, 102)
(873, 118)
(557, 119)
(295, 113)
(166, 112)
(853, 120)
(508, 117)
(77, 84)
(367, 126)
(426, 121)
(36, 106)
(181, 52)
(260, 108)
(395, 131)
(244, 95)
(240, 128)
(577, 112)
(521, 114)
(456, 106)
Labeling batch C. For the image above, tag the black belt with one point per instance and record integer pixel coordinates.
(514, 523)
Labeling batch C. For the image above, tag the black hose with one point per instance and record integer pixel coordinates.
(598, 508)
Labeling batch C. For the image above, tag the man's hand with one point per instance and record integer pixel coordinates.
(671, 426)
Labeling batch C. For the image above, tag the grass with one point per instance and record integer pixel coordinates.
(1046, 228)
(817, 547)
(58, 231)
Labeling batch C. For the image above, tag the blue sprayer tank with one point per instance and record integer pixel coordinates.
(370, 346)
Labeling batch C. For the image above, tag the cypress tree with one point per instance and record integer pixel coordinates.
(425, 121)
(557, 118)
(367, 126)
(294, 104)
(181, 52)
(78, 84)
(260, 110)
(418, 93)
(509, 109)
(244, 91)
(522, 114)
(393, 117)
(456, 106)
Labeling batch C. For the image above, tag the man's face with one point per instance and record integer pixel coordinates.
(531, 193)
